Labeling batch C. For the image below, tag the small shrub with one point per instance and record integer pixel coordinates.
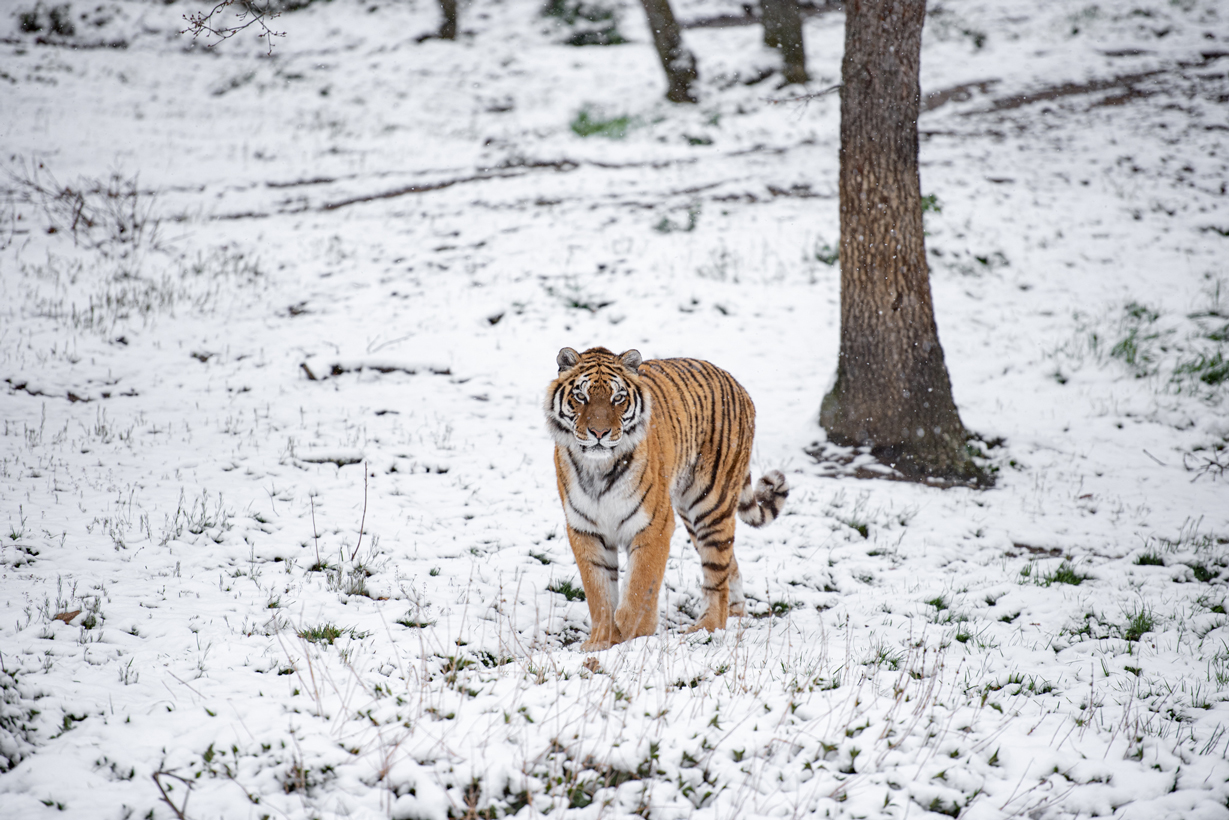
(827, 254)
(592, 24)
(54, 20)
(666, 225)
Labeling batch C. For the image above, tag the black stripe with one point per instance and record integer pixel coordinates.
(616, 472)
(628, 517)
(572, 507)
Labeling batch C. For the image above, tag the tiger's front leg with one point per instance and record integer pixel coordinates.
(646, 568)
(599, 574)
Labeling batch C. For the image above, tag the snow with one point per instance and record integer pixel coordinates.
(272, 421)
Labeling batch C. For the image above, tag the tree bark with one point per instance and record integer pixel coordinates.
(783, 31)
(448, 28)
(678, 62)
(892, 391)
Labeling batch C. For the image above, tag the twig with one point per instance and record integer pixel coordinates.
(185, 683)
(1212, 465)
(166, 798)
(201, 22)
(1154, 458)
(315, 534)
(806, 97)
(363, 522)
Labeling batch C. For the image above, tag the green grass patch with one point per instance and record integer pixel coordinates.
(859, 526)
(327, 633)
(1203, 574)
(567, 590)
(1064, 574)
(1133, 350)
(590, 124)
(1151, 558)
(1211, 370)
(1138, 624)
(414, 623)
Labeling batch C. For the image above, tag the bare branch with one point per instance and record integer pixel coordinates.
(805, 97)
(251, 12)
(165, 790)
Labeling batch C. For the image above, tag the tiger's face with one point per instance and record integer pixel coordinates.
(597, 407)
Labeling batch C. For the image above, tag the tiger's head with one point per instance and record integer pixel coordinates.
(597, 407)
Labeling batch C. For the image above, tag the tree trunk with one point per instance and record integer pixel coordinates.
(783, 31)
(448, 28)
(892, 390)
(678, 62)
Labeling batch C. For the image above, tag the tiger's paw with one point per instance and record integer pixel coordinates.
(706, 623)
(601, 638)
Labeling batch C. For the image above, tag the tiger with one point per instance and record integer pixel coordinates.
(636, 441)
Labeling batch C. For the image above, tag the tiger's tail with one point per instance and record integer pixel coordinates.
(761, 505)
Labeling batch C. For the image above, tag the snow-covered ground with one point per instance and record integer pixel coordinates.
(229, 281)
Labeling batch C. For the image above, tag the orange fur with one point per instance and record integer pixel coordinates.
(636, 441)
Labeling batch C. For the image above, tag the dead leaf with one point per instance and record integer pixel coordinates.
(592, 665)
(66, 617)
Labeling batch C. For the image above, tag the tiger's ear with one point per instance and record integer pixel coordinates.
(631, 359)
(567, 359)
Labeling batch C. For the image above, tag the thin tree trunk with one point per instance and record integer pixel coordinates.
(892, 390)
(448, 28)
(783, 31)
(678, 62)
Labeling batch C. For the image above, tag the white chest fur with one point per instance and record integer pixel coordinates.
(605, 498)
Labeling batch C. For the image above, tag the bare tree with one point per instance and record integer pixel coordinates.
(892, 390)
(783, 31)
(679, 63)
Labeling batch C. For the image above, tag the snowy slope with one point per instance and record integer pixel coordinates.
(274, 337)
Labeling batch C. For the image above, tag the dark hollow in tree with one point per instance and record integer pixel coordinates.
(783, 31)
(892, 391)
(678, 62)
(448, 28)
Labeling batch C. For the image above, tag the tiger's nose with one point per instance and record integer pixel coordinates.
(597, 434)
